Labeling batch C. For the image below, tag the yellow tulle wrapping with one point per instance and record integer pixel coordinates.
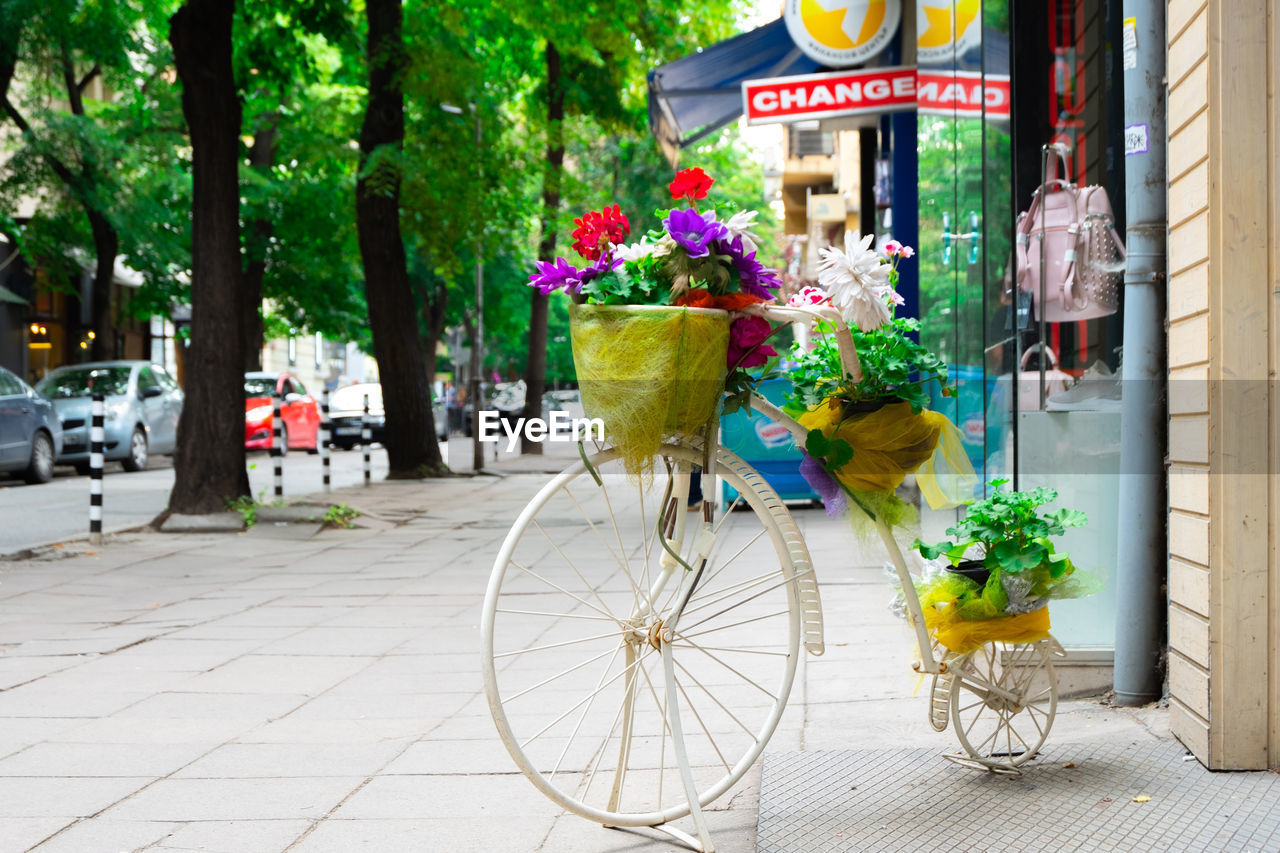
(891, 442)
(648, 372)
(961, 636)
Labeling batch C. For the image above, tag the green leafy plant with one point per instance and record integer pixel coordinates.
(341, 516)
(895, 365)
(1010, 533)
(247, 507)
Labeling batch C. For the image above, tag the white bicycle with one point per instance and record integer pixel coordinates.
(637, 657)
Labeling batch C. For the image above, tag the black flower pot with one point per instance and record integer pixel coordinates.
(862, 407)
(974, 570)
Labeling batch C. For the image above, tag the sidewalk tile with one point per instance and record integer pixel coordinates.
(22, 833)
(233, 836)
(233, 799)
(454, 835)
(63, 796)
(278, 674)
(284, 760)
(107, 835)
(508, 796)
(100, 759)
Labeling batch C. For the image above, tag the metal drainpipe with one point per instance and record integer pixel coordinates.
(1142, 553)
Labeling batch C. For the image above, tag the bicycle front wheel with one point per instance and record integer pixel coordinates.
(577, 618)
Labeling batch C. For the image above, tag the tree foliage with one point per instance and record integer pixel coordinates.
(473, 171)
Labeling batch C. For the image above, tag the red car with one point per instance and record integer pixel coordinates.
(298, 410)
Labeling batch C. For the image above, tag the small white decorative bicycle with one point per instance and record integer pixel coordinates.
(637, 657)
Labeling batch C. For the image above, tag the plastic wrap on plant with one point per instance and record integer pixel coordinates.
(648, 372)
(890, 443)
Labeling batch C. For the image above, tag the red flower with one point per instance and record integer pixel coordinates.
(691, 183)
(696, 297)
(746, 342)
(597, 229)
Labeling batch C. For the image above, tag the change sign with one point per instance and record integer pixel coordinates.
(843, 93)
(875, 91)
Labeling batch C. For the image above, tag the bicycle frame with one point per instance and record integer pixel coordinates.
(849, 358)
(678, 486)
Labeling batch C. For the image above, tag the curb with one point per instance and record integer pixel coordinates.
(31, 552)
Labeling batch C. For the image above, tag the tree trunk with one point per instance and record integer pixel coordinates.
(106, 242)
(106, 245)
(535, 377)
(209, 468)
(13, 19)
(433, 309)
(411, 446)
(261, 157)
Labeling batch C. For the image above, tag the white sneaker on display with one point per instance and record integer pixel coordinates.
(1097, 390)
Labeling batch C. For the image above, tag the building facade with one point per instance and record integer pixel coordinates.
(1224, 345)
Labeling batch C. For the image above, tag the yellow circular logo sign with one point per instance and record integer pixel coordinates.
(840, 33)
(946, 29)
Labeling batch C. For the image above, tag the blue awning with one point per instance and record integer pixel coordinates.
(699, 94)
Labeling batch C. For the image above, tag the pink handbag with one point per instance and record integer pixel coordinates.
(1074, 228)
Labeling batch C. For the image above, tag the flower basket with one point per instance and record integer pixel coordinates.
(648, 371)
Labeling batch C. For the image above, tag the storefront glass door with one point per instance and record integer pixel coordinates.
(1021, 76)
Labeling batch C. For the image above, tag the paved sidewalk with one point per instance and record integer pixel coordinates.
(292, 688)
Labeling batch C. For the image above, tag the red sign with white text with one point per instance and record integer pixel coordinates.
(963, 94)
(842, 93)
(875, 91)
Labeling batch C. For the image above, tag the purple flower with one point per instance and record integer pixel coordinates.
(605, 264)
(754, 278)
(693, 231)
(825, 485)
(560, 275)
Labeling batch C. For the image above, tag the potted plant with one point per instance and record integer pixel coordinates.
(1002, 562)
(653, 325)
(867, 434)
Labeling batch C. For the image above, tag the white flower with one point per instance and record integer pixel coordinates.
(664, 246)
(857, 282)
(740, 225)
(636, 251)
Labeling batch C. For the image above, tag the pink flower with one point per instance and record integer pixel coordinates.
(895, 298)
(808, 295)
(893, 247)
(745, 337)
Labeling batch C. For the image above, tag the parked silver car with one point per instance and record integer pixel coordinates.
(30, 436)
(143, 404)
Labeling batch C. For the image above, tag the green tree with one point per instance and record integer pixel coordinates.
(297, 65)
(87, 157)
(594, 67)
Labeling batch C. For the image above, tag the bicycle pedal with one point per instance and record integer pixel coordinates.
(940, 701)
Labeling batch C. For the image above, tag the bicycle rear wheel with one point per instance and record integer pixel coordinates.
(575, 625)
(1003, 700)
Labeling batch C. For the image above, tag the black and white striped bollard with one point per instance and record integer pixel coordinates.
(366, 438)
(277, 445)
(95, 469)
(326, 433)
